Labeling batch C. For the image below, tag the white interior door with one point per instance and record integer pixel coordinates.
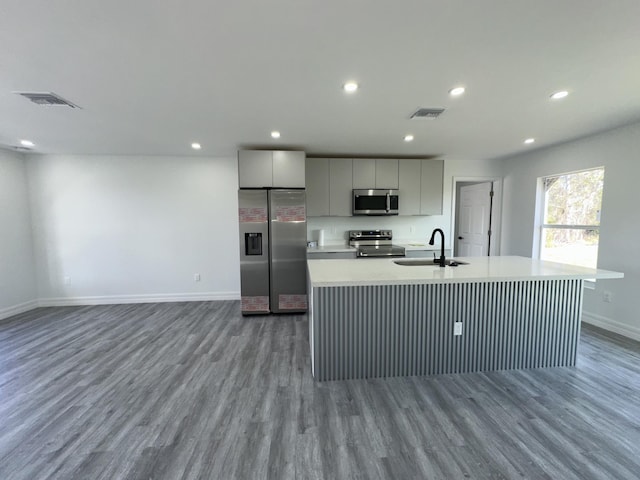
(474, 220)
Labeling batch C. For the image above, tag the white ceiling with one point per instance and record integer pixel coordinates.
(152, 76)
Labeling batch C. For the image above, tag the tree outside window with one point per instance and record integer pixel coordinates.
(571, 222)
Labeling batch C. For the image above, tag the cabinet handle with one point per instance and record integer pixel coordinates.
(460, 238)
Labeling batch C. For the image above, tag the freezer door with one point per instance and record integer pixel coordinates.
(288, 231)
(253, 216)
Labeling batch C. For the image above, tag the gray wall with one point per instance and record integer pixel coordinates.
(125, 229)
(17, 280)
(619, 152)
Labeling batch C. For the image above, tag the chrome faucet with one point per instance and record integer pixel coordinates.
(440, 262)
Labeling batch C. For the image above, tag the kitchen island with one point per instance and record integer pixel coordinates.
(374, 318)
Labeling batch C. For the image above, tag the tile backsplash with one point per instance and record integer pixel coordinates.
(404, 227)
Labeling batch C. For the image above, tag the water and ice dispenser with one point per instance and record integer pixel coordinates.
(253, 243)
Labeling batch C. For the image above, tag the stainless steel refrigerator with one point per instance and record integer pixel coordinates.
(273, 250)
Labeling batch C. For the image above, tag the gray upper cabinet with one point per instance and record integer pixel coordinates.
(329, 186)
(431, 180)
(409, 173)
(375, 173)
(317, 175)
(255, 168)
(340, 186)
(265, 168)
(420, 184)
(329, 183)
(364, 172)
(288, 169)
(386, 173)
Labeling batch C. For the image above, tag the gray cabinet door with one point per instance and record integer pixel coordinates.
(431, 187)
(386, 173)
(340, 186)
(255, 168)
(288, 169)
(317, 181)
(364, 173)
(409, 172)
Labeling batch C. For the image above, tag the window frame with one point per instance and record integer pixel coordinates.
(540, 226)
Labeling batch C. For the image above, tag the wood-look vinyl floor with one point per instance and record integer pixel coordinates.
(196, 391)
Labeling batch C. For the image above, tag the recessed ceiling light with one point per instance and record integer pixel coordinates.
(27, 143)
(454, 92)
(196, 146)
(529, 140)
(559, 95)
(408, 138)
(275, 134)
(350, 87)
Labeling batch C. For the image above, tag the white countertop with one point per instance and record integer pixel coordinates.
(382, 271)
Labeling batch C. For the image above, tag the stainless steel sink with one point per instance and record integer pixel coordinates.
(412, 262)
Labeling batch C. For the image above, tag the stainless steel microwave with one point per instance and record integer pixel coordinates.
(375, 201)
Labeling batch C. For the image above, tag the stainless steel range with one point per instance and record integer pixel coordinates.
(374, 243)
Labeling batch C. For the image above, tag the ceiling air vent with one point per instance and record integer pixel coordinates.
(426, 113)
(47, 99)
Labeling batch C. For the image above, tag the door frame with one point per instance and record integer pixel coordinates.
(496, 211)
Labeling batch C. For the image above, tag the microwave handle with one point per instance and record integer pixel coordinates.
(388, 202)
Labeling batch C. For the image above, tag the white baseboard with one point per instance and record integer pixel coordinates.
(150, 298)
(18, 309)
(611, 325)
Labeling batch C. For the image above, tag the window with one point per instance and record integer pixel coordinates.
(570, 226)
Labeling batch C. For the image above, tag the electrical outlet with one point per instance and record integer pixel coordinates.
(457, 328)
(607, 296)
(67, 280)
(411, 229)
(196, 277)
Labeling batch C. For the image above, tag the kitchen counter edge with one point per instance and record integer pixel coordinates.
(382, 271)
